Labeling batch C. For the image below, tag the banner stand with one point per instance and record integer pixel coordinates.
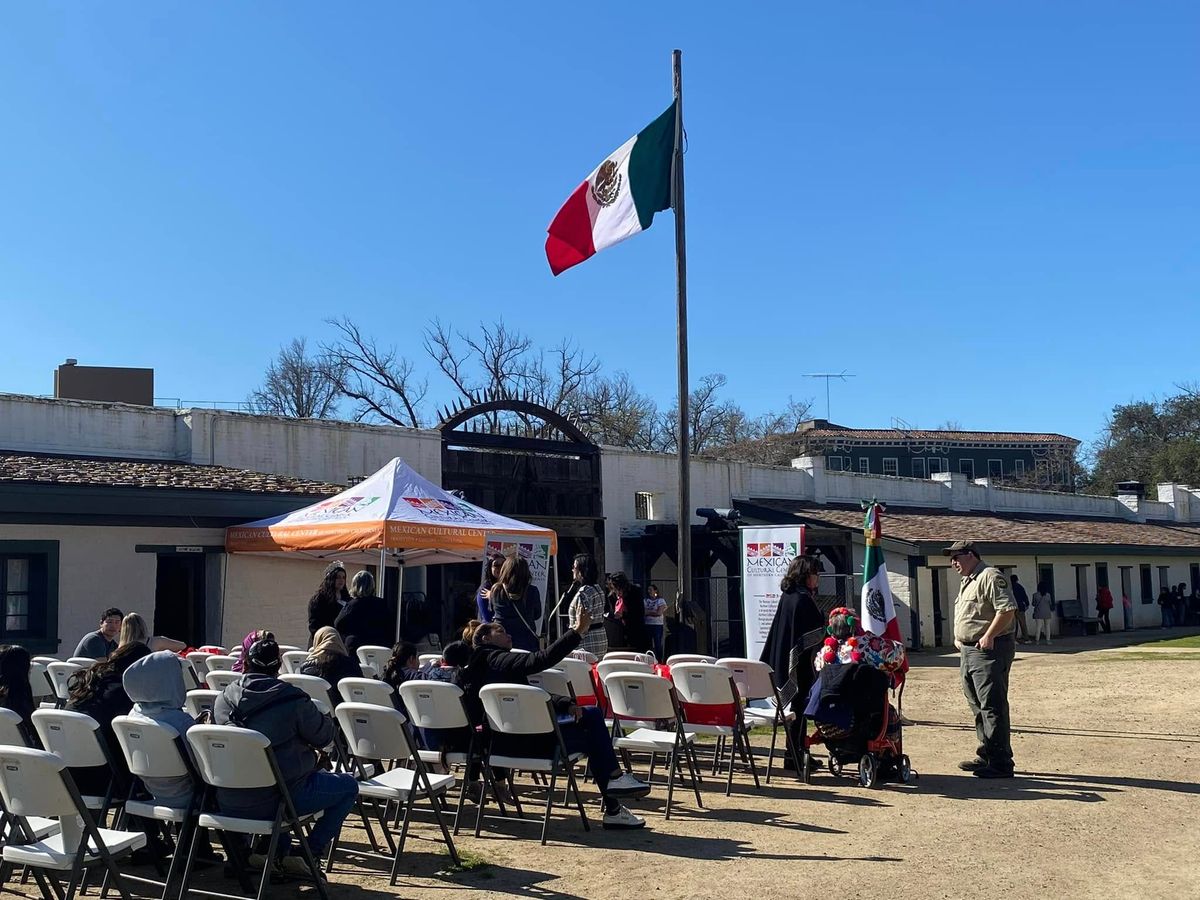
(766, 554)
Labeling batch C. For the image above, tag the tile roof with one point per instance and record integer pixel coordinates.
(98, 471)
(939, 437)
(919, 525)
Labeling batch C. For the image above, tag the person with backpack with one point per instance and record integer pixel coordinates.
(297, 731)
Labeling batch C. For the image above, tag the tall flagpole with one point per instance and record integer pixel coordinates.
(684, 440)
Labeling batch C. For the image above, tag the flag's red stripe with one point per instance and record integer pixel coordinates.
(570, 240)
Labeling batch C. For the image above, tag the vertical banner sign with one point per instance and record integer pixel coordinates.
(535, 551)
(766, 555)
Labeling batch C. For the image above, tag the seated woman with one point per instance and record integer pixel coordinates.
(15, 692)
(403, 665)
(247, 642)
(329, 659)
(493, 662)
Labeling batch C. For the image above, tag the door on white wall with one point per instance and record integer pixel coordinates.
(940, 602)
(179, 591)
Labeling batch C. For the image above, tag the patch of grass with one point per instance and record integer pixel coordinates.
(473, 863)
(1192, 640)
(1155, 657)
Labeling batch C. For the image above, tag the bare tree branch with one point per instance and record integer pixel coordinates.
(297, 385)
(381, 383)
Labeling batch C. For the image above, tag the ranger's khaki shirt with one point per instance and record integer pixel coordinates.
(981, 595)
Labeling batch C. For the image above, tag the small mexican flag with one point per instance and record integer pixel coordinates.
(618, 200)
(878, 612)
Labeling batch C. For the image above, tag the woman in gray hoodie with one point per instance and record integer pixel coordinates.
(155, 685)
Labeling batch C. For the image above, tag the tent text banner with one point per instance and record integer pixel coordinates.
(766, 555)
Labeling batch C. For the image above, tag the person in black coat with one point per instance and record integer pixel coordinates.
(631, 611)
(364, 621)
(15, 692)
(796, 615)
(329, 600)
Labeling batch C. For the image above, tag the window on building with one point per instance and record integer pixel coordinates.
(864, 465)
(918, 468)
(835, 463)
(938, 465)
(29, 593)
(1101, 575)
(1081, 583)
(1195, 570)
(967, 467)
(1019, 468)
(1147, 583)
(1127, 581)
(1164, 578)
(1046, 577)
(995, 468)
(891, 466)
(643, 503)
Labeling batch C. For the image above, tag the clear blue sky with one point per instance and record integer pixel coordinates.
(988, 212)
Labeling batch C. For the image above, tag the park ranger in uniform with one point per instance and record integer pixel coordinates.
(984, 616)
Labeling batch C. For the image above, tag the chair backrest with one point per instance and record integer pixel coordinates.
(426, 658)
(375, 656)
(288, 648)
(46, 660)
(629, 654)
(197, 702)
(434, 704)
(236, 652)
(367, 690)
(60, 676)
(317, 688)
(10, 729)
(191, 681)
(517, 709)
(31, 783)
(85, 661)
(703, 683)
(149, 748)
(635, 695)
(199, 662)
(374, 732)
(219, 679)
(580, 674)
(369, 671)
(554, 682)
(39, 681)
(753, 677)
(72, 735)
(220, 663)
(590, 658)
(291, 661)
(228, 757)
(689, 658)
(608, 666)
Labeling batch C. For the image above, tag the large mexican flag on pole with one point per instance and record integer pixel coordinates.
(878, 612)
(618, 199)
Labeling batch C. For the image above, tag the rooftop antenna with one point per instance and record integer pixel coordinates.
(829, 376)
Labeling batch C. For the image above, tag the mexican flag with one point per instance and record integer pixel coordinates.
(618, 199)
(878, 608)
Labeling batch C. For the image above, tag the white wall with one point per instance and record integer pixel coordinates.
(42, 425)
(271, 593)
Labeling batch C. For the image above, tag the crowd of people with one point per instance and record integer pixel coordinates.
(1179, 608)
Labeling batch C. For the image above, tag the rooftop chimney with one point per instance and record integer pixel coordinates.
(1131, 489)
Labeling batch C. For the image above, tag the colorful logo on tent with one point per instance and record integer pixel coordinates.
(770, 556)
(337, 508)
(445, 510)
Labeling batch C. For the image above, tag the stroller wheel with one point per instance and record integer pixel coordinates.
(835, 766)
(868, 770)
(905, 770)
(806, 767)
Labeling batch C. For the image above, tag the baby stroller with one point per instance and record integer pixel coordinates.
(849, 706)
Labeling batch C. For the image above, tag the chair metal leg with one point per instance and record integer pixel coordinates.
(270, 860)
(314, 867)
(574, 787)
(771, 758)
(672, 763)
(549, 806)
(437, 812)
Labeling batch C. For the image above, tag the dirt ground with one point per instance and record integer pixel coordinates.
(1104, 805)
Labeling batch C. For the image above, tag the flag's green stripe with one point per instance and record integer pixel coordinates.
(650, 167)
(871, 562)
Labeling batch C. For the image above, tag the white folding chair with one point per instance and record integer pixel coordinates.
(238, 759)
(199, 662)
(607, 666)
(154, 751)
(288, 648)
(689, 658)
(580, 674)
(521, 710)
(367, 690)
(199, 701)
(214, 649)
(219, 679)
(438, 706)
(755, 681)
(291, 661)
(236, 652)
(316, 688)
(219, 663)
(704, 684)
(554, 682)
(61, 674)
(85, 662)
(378, 732)
(13, 735)
(583, 655)
(646, 658)
(642, 697)
(77, 741)
(375, 656)
(36, 783)
(40, 684)
(426, 658)
(46, 660)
